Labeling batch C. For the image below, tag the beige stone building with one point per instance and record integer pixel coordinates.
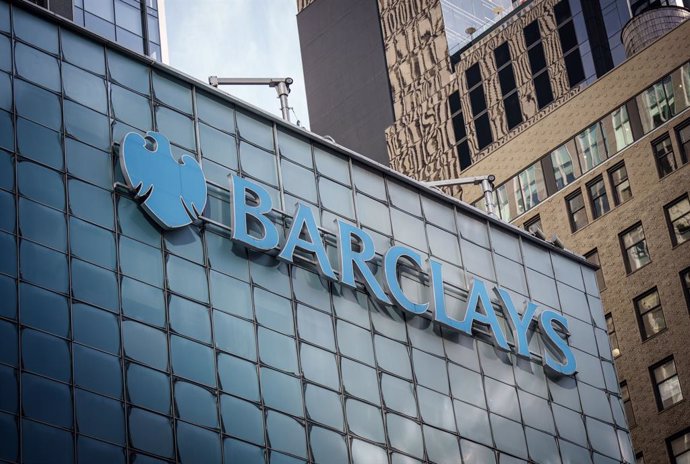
(587, 145)
(637, 192)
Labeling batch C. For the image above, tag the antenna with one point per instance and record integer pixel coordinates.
(281, 84)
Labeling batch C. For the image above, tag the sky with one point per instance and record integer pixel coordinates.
(239, 38)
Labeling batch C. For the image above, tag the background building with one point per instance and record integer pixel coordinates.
(120, 342)
(584, 144)
(136, 24)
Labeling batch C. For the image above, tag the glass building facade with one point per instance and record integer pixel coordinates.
(120, 342)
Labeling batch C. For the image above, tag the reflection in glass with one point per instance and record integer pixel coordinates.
(590, 147)
(281, 392)
(565, 168)
(242, 419)
(286, 434)
(319, 366)
(365, 420)
(324, 406)
(656, 104)
(278, 350)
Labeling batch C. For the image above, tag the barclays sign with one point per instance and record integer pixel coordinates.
(174, 195)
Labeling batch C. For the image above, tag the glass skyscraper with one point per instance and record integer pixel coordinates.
(123, 342)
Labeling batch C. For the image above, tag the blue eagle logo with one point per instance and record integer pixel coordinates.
(174, 192)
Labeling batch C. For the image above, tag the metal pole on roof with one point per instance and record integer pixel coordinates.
(487, 183)
(281, 84)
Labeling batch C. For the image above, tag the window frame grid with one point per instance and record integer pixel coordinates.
(624, 249)
(671, 222)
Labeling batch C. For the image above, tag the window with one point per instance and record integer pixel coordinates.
(685, 282)
(613, 338)
(533, 225)
(621, 127)
(627, 404)
(650, 316)
(656, 104)
(683, 135)
(618, 176)
(576, 211)
(590, 147)
(593, 257)
(462, 147)
(521, 192)
(679, 447)
(598, 197)
(565, 166)
(634, 245)
(537, 62)
(569, 43)
(666, 384)
(506, 78)
(678, 219)
(663, 153)
(475, 86)
(532, 186)
(639, 458)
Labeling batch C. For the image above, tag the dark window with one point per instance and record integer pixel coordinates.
(666, 383)
(463, 150)
(678, 219)
(459, 130)
(679, 447)
(627, 404)
(569, 43)
(531, 32)
(574, 68)
(683, 134)
(506, 77)
(663, 153)
(598, 197)
(613, 338)
(685, 284)
(537, 59)
(537, 63)
(475, 86)
(502, 54)
(634, 246)
(454, 102)
(513, 112)
(533, 225)
(650, 315)
(562, 12)
(473, 75)
(576, 211)
(618, 176)
(477, 100)
(542, 86)
(483, 128)
(593, 257)
(566, 33)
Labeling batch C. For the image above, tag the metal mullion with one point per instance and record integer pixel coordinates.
(18, 367)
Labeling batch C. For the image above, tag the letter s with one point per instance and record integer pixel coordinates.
(555, 342)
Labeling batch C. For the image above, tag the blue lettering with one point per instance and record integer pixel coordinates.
(478, 294)
(241, 211)
(393, 255)
(440, 314)
(303, 220)
(521, 325)
(555, 342)
(349, 259)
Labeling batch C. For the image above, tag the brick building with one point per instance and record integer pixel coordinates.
(580, 111)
